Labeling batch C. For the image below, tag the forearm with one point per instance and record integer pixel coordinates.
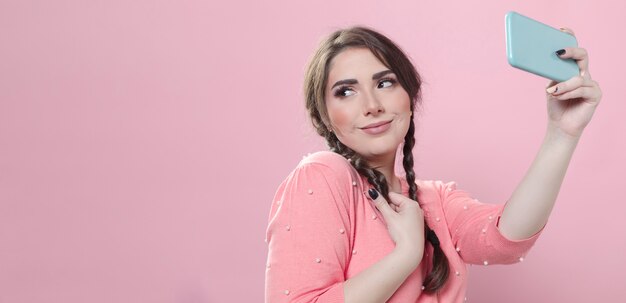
(529, 207)
(380, 281)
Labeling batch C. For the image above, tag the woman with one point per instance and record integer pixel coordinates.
(345, 228)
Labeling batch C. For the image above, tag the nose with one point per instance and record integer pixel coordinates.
(372, 105)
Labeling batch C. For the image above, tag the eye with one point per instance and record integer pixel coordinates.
(344, 91)
(386, 83)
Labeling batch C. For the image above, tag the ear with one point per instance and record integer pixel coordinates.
(328, 125)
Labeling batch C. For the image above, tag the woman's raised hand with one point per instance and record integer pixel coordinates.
(405, 221)
(571, 103)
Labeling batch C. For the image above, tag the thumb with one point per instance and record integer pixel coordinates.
(380, 202)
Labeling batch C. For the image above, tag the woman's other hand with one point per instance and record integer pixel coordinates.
(405, 222)
(571, 103)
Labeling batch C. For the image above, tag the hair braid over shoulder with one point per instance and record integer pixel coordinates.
(439, 273)
(374, 177)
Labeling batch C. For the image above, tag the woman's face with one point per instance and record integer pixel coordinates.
(369, 110)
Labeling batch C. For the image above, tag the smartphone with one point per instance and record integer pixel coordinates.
(532, 45)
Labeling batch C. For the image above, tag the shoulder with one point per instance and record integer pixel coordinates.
(327, 158)
(331, 164)
(323, 169)
(435, 185)
(434, 189)
(321, 176)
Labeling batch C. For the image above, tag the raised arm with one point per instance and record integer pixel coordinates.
(571, 105)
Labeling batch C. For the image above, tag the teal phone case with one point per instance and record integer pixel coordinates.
(532, 45)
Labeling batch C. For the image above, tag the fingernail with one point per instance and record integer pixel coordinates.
(373, 193)
(552, 90)
(560, 52)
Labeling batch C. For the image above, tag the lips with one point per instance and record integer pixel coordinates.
(377, 124)
(377, 128)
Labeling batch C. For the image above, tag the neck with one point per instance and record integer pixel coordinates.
(386, 167)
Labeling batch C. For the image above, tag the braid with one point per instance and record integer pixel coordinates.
(438, 276)
(439, 273)
(374, 177)
(407, 160)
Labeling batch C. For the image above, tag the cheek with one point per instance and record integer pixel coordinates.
(404, 111)
(338, 118)
(405, 105)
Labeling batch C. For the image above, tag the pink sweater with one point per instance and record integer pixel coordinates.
(323, 230)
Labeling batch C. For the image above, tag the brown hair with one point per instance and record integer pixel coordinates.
(314, 92)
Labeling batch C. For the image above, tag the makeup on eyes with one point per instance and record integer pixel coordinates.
(340, 92)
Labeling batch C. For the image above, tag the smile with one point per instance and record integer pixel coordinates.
(377, 128)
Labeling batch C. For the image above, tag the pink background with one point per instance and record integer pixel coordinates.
(141, 142)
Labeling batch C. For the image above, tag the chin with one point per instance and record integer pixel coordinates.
(377, 147)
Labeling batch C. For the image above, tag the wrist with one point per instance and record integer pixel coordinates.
(411, 256)
(555, 134)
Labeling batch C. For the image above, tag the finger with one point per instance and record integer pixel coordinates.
(396, 199)
(400, 202)
(577, 93)
(380, 202)
(569, 85)
(395, 208)
(584, 92)
(568, 30)
(579, 55)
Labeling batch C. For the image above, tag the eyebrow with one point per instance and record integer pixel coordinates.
(375, 76)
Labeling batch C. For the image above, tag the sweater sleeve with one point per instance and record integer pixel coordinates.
(308, 236)
(474, 229)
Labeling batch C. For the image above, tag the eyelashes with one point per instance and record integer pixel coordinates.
(343, 90)
(390, 80)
